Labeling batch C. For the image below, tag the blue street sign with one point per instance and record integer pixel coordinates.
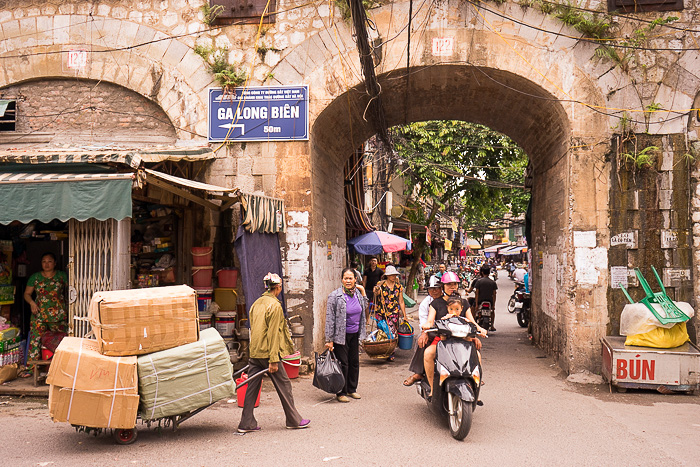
(259, 113)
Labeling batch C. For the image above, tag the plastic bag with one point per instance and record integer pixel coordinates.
(328, 375)
(637, 319)
(405, 328)
(661, 338)
(51, 339)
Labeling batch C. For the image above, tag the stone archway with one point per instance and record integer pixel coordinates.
(492, 85)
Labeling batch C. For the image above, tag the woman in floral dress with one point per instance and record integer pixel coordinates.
(389, 301)
(49, 311)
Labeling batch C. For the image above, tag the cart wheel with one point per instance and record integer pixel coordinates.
(621, 389)
(126, 436)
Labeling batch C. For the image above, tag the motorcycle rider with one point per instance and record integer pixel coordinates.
(416, 365)
(438, 309)
(519, 273)
(438, 306)
(455, 305)
(485, 291)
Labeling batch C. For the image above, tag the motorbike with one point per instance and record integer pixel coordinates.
(519, 287)
(494, 274)
(484, 315)
(457, 376)
(522, 305)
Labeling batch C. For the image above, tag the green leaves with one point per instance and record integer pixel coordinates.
(471, 170)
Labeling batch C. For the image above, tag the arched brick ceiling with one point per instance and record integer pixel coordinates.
(500, 100)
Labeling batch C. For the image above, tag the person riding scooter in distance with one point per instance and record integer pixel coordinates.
(485, 291)
(454, 308)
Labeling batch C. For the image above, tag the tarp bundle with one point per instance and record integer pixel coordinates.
(185, 378)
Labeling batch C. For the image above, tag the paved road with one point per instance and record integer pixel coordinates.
(531, 416)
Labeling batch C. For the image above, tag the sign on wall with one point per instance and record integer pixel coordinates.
(259, 113)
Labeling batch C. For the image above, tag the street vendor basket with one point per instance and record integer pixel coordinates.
(380, 349)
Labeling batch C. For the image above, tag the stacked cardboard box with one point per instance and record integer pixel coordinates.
(91, 389)
(142, 321)
(185, 378)
(95, 383)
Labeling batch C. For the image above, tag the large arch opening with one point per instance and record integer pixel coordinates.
(500, 100)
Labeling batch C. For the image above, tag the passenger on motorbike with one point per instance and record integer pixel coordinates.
(454, 308)
(485, 291)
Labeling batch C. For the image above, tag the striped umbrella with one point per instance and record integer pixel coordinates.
(376, 242)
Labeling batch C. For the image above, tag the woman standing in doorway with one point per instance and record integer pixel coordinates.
(388, 297)
(49, 311)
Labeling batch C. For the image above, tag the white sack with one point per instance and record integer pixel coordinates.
(637, 319)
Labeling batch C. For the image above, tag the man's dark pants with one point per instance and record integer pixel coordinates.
(284, 390)
(349, 357)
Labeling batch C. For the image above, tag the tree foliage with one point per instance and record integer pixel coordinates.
(468, 169)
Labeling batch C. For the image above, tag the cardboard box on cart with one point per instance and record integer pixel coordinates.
(142, 321)
(91, 389)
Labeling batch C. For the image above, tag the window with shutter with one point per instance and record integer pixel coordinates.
(637, 6)
(244, 11)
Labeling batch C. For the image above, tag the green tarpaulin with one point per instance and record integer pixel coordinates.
(185, 378)
(44, 196)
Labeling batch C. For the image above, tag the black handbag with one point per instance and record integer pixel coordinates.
(328, 375)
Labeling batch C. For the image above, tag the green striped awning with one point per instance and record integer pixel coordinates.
(44, 196)
(130, 158)
(263, 214)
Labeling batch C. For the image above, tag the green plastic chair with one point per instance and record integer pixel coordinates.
(672, 312)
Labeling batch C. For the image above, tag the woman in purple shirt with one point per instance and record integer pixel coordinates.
(346, 315)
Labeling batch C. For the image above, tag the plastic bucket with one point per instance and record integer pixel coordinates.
(201, 277)
(291, 364)
(405, 341)
(227, 277)
(204, 320)
(201, 255)
(225, 322)
(240, 392)
(203, 299)
(227, 299)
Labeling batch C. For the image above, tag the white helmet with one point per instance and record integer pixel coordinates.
(434, 281)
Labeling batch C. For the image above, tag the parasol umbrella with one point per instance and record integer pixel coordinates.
(473, 244)
(373, 243)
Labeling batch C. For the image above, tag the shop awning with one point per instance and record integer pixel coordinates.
(515, 250)
(132, 158)
(260, 213)
(495, 248)
(37, 157)
(176, 154)
(213, 197)
(47, 195)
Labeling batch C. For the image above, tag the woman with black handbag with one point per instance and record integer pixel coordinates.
(346, 315)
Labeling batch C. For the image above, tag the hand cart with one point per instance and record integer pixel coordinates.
(664, 370)
(129, 435)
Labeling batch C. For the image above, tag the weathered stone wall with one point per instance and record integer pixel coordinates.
(650, 220)
(84, 111)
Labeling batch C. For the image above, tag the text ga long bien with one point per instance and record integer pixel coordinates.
(258, 113)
